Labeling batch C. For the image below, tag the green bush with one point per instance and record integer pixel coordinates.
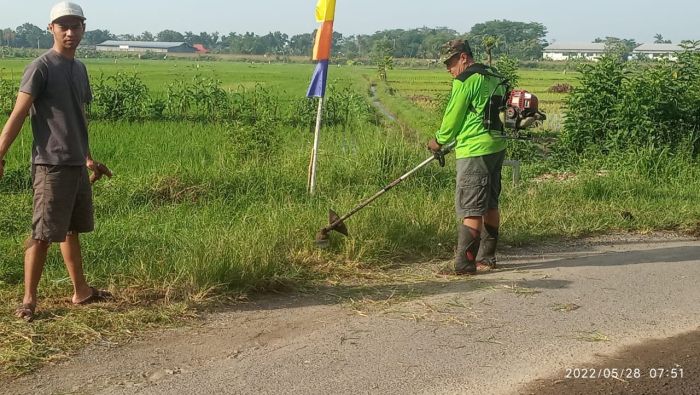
(624, 105)
(508, 67)
(119, 97)
(202, 98)
(8, 95)
(341, 107)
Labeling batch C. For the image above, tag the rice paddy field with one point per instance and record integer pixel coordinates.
(206, 208)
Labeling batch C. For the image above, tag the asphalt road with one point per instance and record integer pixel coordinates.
(550, 310)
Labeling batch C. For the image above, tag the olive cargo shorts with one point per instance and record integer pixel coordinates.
(62, 202)
(478, 184)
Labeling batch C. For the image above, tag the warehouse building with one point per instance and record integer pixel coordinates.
(657, 51)
(145, 46)
(564, 51)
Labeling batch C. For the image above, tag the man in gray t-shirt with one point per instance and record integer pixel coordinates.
(61, 89)
(53, 92)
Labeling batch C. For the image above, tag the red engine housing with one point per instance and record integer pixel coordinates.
(523, 100)
(522, 110)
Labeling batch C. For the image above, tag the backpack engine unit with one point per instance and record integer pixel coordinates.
(521, 110)
(516, 110)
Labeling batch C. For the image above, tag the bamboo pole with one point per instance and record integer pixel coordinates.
(314, 153)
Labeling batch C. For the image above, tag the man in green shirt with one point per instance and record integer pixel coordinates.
(472, 121)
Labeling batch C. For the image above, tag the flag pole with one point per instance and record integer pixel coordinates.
(325, 13)
(314, 152)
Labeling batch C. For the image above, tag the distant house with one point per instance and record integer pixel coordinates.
(144, 46)
(564, 51)
(657, 51)
(200, 48)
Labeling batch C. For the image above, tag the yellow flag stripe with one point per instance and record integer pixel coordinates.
(325, 10)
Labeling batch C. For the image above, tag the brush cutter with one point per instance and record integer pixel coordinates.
(337, 223)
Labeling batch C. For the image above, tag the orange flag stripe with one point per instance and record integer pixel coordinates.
(324, 41)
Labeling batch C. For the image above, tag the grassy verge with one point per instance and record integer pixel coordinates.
(190, 217)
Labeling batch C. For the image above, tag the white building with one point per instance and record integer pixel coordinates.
(564, 51)
(143, 46)
(657, 51)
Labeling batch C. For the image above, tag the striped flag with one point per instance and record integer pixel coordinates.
(325, 14)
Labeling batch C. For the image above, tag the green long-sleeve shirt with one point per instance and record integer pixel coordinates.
(463, 119)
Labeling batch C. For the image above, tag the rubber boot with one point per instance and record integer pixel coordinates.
(468, 242)
(489, 240)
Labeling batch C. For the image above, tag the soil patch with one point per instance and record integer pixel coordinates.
(665, 366)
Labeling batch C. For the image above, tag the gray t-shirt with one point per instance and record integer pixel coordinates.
(60, 88)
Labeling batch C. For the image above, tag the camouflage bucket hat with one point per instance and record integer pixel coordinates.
(452, 48)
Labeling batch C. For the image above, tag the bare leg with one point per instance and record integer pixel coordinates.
(473, 222)
(70, 249)
(34, 260)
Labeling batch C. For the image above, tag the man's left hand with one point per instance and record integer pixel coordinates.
(433, 145)
(98, 170)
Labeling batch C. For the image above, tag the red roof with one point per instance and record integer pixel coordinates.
(200, 48)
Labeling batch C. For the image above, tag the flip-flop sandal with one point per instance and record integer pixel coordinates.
(486, 265)
(25, 312)
(98, 295)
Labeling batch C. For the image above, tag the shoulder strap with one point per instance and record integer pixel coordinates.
(478, 68)
(491, 113)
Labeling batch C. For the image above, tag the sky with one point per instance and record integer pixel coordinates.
(566, 21)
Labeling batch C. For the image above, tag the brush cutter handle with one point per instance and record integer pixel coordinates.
(439, 155)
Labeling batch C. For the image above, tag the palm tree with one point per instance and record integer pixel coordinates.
(489, 43)
(659, 39)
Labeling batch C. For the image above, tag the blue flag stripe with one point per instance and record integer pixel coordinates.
(317, 88)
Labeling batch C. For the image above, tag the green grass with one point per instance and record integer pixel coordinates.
(190, 216)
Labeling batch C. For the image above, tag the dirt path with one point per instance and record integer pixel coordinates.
(549, 309)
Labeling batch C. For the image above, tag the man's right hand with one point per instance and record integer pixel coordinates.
(433, 145)
(98, 170)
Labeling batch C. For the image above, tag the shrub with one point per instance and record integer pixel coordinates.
(508, 67)
(202, 98)
(560, 88)
(623, 105)
(8, 96)
(119, 97)
(341, 107)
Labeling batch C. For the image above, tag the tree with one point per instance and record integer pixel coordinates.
(94, 37)
(209, 40)
(274, 42)
(146, 36)
(433, 40)
(518, 39)
(381, 56)
(690, 44)
(170, 36)
(32, 36)
(301, 44)
(7, 37)
(489, 42)
(126, 37)
(659, 39)
(618, 47)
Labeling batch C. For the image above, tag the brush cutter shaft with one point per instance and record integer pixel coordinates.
(444, 151)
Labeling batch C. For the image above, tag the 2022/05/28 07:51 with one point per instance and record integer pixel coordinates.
(623, 373)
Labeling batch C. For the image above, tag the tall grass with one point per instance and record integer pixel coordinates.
(202, 207)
